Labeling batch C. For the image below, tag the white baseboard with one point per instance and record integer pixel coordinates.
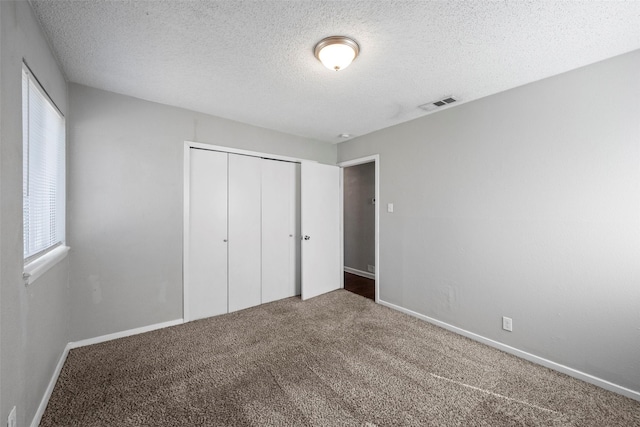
(522, 354)
(56, 373)
(360, 273)
(52, 383)
(122, 334)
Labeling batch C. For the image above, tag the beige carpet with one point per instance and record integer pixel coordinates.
(336, 360)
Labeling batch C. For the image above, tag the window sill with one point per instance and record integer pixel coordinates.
(38, 267)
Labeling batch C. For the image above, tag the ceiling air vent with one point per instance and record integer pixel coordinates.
(430, 106)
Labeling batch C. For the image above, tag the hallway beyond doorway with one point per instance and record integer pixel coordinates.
(360, 285)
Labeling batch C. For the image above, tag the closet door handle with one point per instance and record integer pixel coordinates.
(225, 240)
(307, 237)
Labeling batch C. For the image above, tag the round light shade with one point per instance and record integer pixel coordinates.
(336, 52)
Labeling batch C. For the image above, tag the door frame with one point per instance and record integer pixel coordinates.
(375, 158)
(188, 145)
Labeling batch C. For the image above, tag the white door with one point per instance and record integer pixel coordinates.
(207, 268)
(320, 206)
(279, 200)
(244, 231)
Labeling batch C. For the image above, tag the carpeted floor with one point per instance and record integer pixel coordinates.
(336, 360)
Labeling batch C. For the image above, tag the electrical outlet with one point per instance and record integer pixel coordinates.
(371, 268)
(12, 420)
(507, 324)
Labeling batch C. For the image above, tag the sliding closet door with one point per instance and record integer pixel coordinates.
(296, 249)
(244, 231)
(278, 230)
(207, 260)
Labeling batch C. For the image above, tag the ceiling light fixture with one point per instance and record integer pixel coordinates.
(336, 52)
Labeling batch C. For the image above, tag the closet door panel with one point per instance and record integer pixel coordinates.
(296, 249)
(207, 287)
(244, 231)
(278, 230)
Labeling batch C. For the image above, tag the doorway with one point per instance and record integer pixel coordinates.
(360, 226)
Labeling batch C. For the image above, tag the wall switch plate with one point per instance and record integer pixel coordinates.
(12, 420)
(507, 324)
(389, 207)
(371, 268)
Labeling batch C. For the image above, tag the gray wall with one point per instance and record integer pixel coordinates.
(34, 320)
(359, 216)
(126, 203)
(523, 204)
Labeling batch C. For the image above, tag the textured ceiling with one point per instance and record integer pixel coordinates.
(252, 61)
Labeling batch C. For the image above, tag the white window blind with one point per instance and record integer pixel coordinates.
(43, 176)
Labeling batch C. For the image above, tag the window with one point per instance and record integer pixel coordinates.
(43, 170)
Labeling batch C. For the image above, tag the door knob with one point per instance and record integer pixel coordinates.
(307, 237)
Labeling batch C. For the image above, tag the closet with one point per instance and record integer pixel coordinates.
(243, 230)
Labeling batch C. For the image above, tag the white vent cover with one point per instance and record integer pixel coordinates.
(430, 106)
